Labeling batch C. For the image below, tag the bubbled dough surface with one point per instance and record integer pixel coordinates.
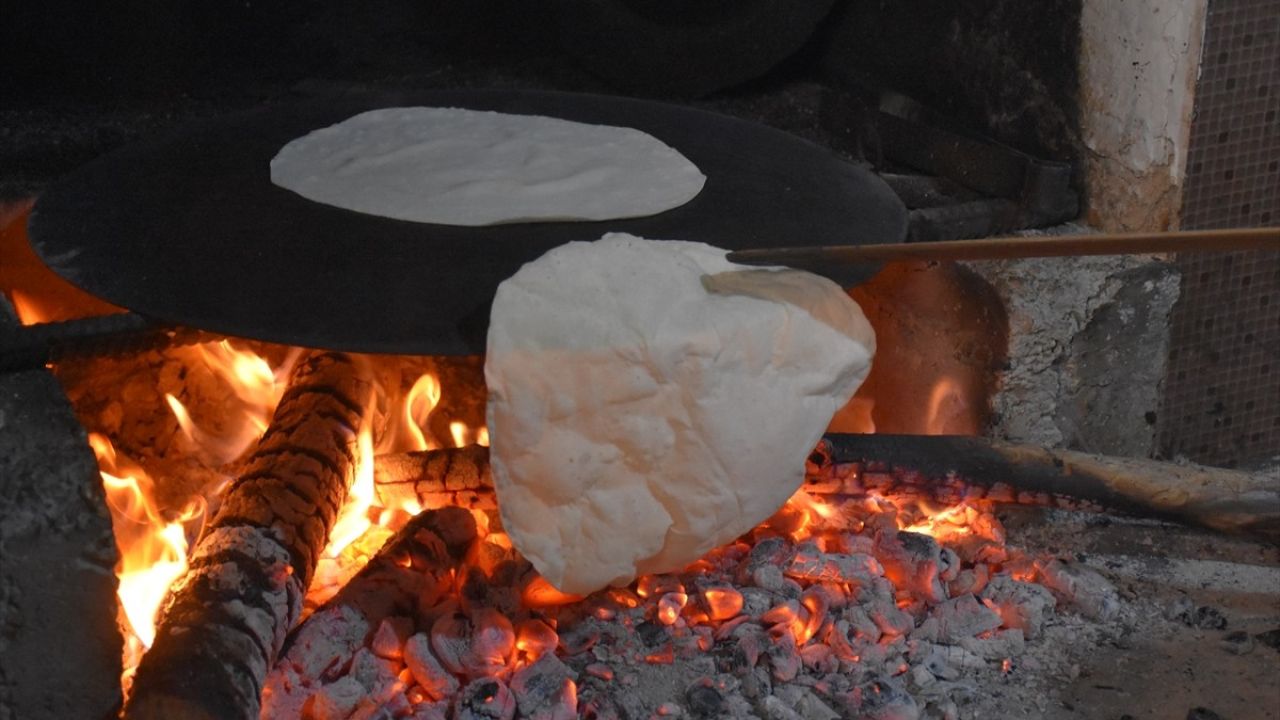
(468, 167)
(649, 401)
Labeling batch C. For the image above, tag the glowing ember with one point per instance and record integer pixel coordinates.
(949, 411)
(723, 603)
(813, 587)
(533, 638)
(669, 607)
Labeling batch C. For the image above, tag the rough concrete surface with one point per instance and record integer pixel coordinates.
(59, 643)
(1088, 341)
(1191, 637)
(1138, 67)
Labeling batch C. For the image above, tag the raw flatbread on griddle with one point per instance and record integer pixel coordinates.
(454, 166)
(649, 401)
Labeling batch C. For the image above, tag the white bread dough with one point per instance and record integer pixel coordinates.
(649, 401)
(469, 167)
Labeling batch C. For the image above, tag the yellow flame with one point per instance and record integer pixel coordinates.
(257, 390)
(943, 524)
(421, 400)
(948, 409)
(464, 435)
(459, 432)
(184, 418)
(153, 549)
(353, 521)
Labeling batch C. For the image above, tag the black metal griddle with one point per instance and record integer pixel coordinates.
(188, 229)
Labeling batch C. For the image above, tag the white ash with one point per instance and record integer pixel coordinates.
(872, 649)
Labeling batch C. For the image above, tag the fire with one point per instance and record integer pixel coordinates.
(459, 432)
(419, 403)
(945, 524)
(364, 522)
(37, 293)
(153, 548)
(153, 540)
(257, 390)
(949, 412)
(410, 426)
(29, 311)
(353, 521)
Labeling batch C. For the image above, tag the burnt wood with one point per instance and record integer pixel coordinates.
(414, 566)
(188, 229)
(1225, 500)
(457, 476)
(224, 623)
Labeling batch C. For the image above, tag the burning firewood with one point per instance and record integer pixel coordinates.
(411, 572)
(953, 468)
(1226, 500)
(225, 621)
(436, 478)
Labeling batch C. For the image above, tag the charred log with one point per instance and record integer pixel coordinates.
(953, 467)
(224, 623)
(411, 572)
(436, 478)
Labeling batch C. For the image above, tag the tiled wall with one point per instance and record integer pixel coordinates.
(1222, 391)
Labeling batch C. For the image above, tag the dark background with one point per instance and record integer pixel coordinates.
(82, 77)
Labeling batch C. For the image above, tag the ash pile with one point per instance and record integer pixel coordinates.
(838, 606)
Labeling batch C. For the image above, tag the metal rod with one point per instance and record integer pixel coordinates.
(1018, 247)
(32, 346)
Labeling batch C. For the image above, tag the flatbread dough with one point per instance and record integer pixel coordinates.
(468, 167)
(649, 401)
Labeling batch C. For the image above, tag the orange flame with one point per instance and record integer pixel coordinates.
(257, 390)
(153, 549)
(459, 432)
(942, 525)
(29, 311)
(419, 402)
(949, 412)
(353, 521)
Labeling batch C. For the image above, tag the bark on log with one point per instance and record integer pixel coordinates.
(436, 478)
(224, 623)
(414, 566)
(953, 467)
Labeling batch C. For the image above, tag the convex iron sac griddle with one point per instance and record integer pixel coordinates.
(188, 229)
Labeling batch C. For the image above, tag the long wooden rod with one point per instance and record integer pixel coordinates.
(1018, 247)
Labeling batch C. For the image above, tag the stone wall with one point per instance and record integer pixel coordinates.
(60, 646)
(1088, 343)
